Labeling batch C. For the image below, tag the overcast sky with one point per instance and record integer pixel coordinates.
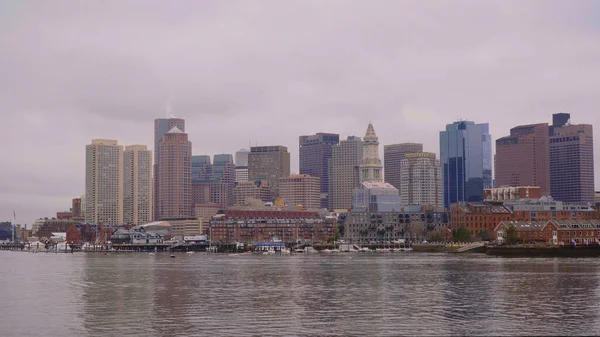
(269, 71)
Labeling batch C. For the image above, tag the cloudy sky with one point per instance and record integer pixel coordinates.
(268, 71)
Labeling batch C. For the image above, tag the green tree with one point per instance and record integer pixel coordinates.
(484, 235)
(511, 235)
(461, 234)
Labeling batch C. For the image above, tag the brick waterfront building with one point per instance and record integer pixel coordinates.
(260, 226)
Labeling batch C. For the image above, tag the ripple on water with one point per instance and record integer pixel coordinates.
(318, 295)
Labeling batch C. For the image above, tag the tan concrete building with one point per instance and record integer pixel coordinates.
(246, 190)
(205, 212)
(137, 185)
(185, 227)
(392, 158)
(268, 163)
(175, 176)
(344, 175)
(161, 126)
(420, 180)
(301, 190)
(104, 182)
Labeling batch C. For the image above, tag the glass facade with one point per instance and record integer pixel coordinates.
(376, 197)
(466, 161)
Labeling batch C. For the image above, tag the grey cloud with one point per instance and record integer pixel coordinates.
(268, 71)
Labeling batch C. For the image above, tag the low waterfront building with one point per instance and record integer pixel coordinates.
(414, 224)
(136, 236)
(250, 226)
(478, 217)
(528, 231)
(563, 232)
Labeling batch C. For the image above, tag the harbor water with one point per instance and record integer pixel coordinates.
(141, 294)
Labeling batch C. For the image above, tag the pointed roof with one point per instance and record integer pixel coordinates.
(175, 130)
(370, 135)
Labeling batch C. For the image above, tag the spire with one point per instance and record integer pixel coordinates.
(370, 135)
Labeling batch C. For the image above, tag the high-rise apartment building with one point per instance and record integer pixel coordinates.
(175, 176)
(466, 161)
(571, 160)
(104, 182)
(523, 158)
(137, 185)
(392, 158)
(162, 126)
(315, 154)
(301, 190)
(421, 181)
(269, 163)
(343, 172)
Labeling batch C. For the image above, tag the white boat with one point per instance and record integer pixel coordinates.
(364, 250)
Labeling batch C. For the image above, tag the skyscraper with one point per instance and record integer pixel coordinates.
(370, 164)
(466, 160)
(523, 158)
(104, 182)
(373, 195)
(421, 180)
(241, 165)
(315, 154)
(269, 163)
(301, 190)
(571, 160)
(241, 157)
(343, 172)
(392, 158)
(175, 176)
(137, 185)
(162, 126)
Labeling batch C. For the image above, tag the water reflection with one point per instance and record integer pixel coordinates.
(220, 295)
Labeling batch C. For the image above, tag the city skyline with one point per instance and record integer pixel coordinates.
(409, 85)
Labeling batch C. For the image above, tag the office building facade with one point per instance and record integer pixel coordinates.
(104, 182)
(301, 190)
(523, 158)
(392, 160)
(420, 180)
(315, 154)
(137, 185)
(571, 160)
(162, 126)
(175, 176)
(344, 172)
(466, 161)
(269, 163)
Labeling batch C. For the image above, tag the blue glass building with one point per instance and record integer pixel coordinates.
(466, 160)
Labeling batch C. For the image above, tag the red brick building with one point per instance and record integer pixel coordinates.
(477, 217)
(260, 226)
(562, 232)
(528, 231)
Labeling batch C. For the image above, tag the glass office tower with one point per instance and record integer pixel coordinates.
(466, 161)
